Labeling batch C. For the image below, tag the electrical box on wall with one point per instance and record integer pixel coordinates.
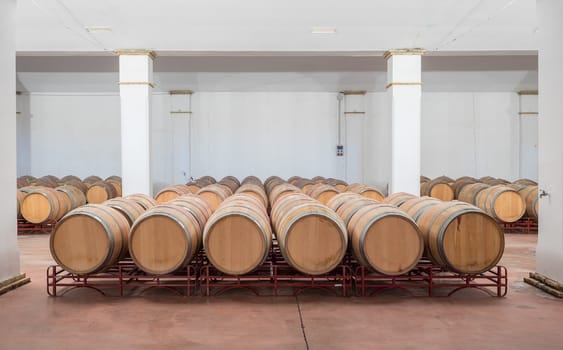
(339, 150)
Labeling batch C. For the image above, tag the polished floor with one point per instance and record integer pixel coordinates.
(83, 319)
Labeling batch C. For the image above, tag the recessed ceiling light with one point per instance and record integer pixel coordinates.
(97, 29)
(323, 30)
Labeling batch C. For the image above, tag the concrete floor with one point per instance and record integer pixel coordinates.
(83, 319)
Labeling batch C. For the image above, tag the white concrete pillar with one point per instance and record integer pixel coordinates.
(136, 84)
(354, 116)
(404, 91)
(549, 254)
(9, 254)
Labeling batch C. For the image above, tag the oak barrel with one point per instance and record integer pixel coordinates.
(143, 200)
(171, 192)
(502, 203)
(42, 204)
(75, 197)
(214, 194)
(323, 193)
(530, 196)
(461, 237)
(238, 236)
(438, 188)
(281, 190)
(398, 198)
(130, 209)
(89, 239)
(469, 192)
(100, 192)
(385, 239)
(164, 239)
(255, 190)
(311, 237)
(366, 191)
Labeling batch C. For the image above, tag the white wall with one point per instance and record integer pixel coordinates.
(265, 133)
(475, 134)
(70, 134)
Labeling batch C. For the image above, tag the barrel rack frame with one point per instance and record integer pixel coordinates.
(524, 225)
(25, 227)
(276, 278)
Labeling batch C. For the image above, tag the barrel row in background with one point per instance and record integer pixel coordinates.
(505, 201)
(47, 199)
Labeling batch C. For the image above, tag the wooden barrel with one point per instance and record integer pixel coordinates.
(100, 192)
(398, 198)
(70, 178)
(337, 201)
(495, 182)
(89, 239)
(143, 200)
(281, 190)
(164, 239)
(318, 179)
(304, 184)
(238, 236)
(286, 202)
(416, 206)
(130, 209)
(171, 192)
(461, 237)
(459, 184)
(92, 179)
(526, 182)
(293, 179)
(385, 239)
(464, 178)
(272, 182)
(469, 192)
(114, 178)
(424, 178)
(26, 179)
(197, 206)
(323, 193)
(74, 196)
(209, 179)
(231, 182)
(351, 206)
(214, 194)
(116, 186)
(253, 180)
(311, 237)
(78, 184)
(366, 191)
(42, 204)
(502, 203)
(254, 190)
(438, 188)
(47, 181)
(530, 196)
(339, 184)
(19, 196)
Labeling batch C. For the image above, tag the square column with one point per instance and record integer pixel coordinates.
(135, 90)
(9, 252)
(549, 253)
(404, 91)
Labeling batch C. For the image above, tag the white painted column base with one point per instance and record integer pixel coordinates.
(405, 93)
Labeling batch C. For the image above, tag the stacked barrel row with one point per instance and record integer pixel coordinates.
(505, 201)
(457, 235)
(48, 198)
(230, 220)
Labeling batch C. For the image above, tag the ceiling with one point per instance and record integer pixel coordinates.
(179, 27)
